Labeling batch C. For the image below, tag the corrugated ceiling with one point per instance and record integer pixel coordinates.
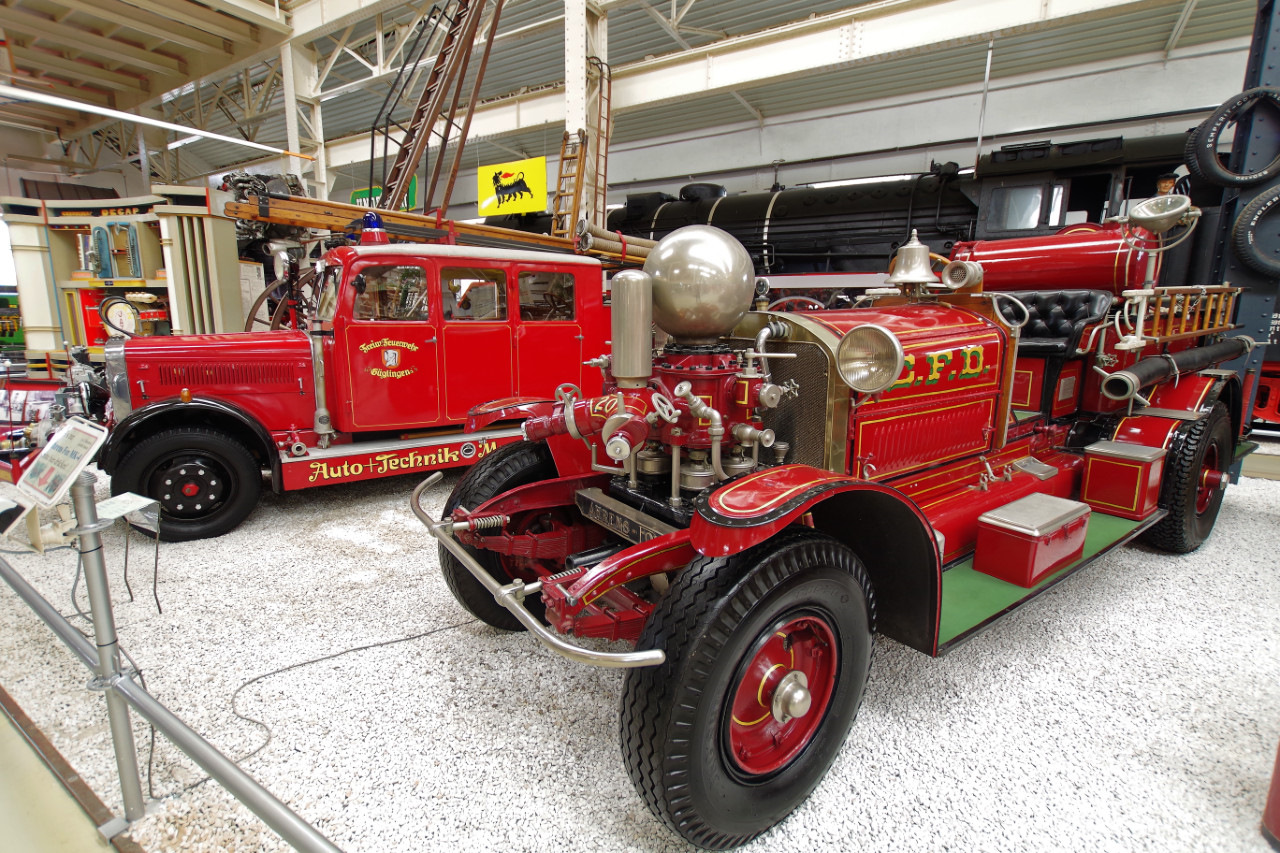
(529, 54)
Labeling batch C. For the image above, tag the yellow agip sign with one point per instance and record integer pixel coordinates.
(516, 187)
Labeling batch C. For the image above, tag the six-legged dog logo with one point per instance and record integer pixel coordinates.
(511, 189)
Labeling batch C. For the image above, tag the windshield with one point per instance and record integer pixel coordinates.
(327, 301)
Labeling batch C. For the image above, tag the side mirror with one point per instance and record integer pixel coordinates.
(359, 283)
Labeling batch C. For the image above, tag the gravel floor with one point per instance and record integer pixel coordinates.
(1134, 707)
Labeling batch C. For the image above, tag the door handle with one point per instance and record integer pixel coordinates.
(430, 340)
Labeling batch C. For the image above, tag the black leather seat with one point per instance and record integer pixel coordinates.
(1056, 324)
(1058, 318)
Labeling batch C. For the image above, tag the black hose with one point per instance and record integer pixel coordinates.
(1124, 384)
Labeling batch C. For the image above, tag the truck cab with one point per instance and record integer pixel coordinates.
(374, 377)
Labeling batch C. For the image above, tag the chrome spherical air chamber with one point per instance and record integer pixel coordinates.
(703, 282)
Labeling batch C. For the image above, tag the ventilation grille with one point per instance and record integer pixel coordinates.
(801, 420)
(916, 439)
(258, 375)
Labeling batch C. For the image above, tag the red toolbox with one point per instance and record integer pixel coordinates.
(1122, 479)
(1023, 541)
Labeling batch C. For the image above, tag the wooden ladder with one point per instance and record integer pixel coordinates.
(568, 197)
(449, 67)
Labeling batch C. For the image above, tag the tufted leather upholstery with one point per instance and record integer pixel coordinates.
(1058, 318)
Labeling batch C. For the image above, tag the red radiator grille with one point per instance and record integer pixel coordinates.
(907, 441)
(260, 375)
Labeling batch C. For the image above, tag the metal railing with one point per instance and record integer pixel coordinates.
(119, 688)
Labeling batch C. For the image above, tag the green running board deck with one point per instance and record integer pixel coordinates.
(972, 600)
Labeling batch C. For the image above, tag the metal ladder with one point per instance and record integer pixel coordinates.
(447, 72)
(603, 129)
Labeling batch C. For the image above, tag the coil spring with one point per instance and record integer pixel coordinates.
(559, 576)
(487, 522)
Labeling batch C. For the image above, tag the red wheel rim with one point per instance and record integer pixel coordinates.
(1210, 479)
(759, 742)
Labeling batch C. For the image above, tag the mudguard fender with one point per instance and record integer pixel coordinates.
(661, 554)
(507, 409)
(882, 526)
(570, 455)
(200, 409)
(1174, 407)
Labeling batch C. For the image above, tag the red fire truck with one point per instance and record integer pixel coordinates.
(753, 500)
(404, 340)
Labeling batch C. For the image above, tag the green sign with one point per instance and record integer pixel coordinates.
(362, 196)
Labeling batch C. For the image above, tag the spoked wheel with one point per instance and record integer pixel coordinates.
(206, 482)
(767, 660)
(306, 286)
(1195, 476)
(513, 465)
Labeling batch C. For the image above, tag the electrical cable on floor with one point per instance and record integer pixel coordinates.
(284, 669)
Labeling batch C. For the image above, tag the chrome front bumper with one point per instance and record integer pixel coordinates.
(512, 595)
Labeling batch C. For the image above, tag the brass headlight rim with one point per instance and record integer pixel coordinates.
(899, 357)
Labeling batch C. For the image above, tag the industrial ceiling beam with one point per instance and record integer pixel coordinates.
(20, 21)
(149, 23)
(254, 12)
(195, 15)
(12, 92)
(75, 70)
(1179, 26)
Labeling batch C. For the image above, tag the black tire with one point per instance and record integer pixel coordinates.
(509, 466)
(1190, 153)
(206, 481)
(1190, 489)
(1246, 241)
(1210, 131)
(688, 755)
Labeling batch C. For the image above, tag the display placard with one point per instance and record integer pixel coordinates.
(68, 452)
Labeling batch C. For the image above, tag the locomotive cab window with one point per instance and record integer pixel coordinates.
(1026, 207)
(391, 293)
(1015, 208)
(473, 294)
(546, 296)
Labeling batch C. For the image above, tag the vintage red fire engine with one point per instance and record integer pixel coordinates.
(751, 501)
(404, 341)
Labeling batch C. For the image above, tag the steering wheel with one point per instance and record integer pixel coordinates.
(996, 296)
(799, 303)
(665, 408)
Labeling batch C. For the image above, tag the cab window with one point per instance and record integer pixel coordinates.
(468, 293)
(391, 293)
(546, 296)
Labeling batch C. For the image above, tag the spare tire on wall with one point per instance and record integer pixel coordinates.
(1255, 237)
(1202, 145)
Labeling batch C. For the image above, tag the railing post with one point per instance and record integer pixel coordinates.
(88, 528)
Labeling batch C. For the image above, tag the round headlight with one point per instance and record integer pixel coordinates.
(869, 359)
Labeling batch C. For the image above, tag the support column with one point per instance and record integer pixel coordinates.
(291, 165)
(300, 74)
(37, 288)
(585, 34)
